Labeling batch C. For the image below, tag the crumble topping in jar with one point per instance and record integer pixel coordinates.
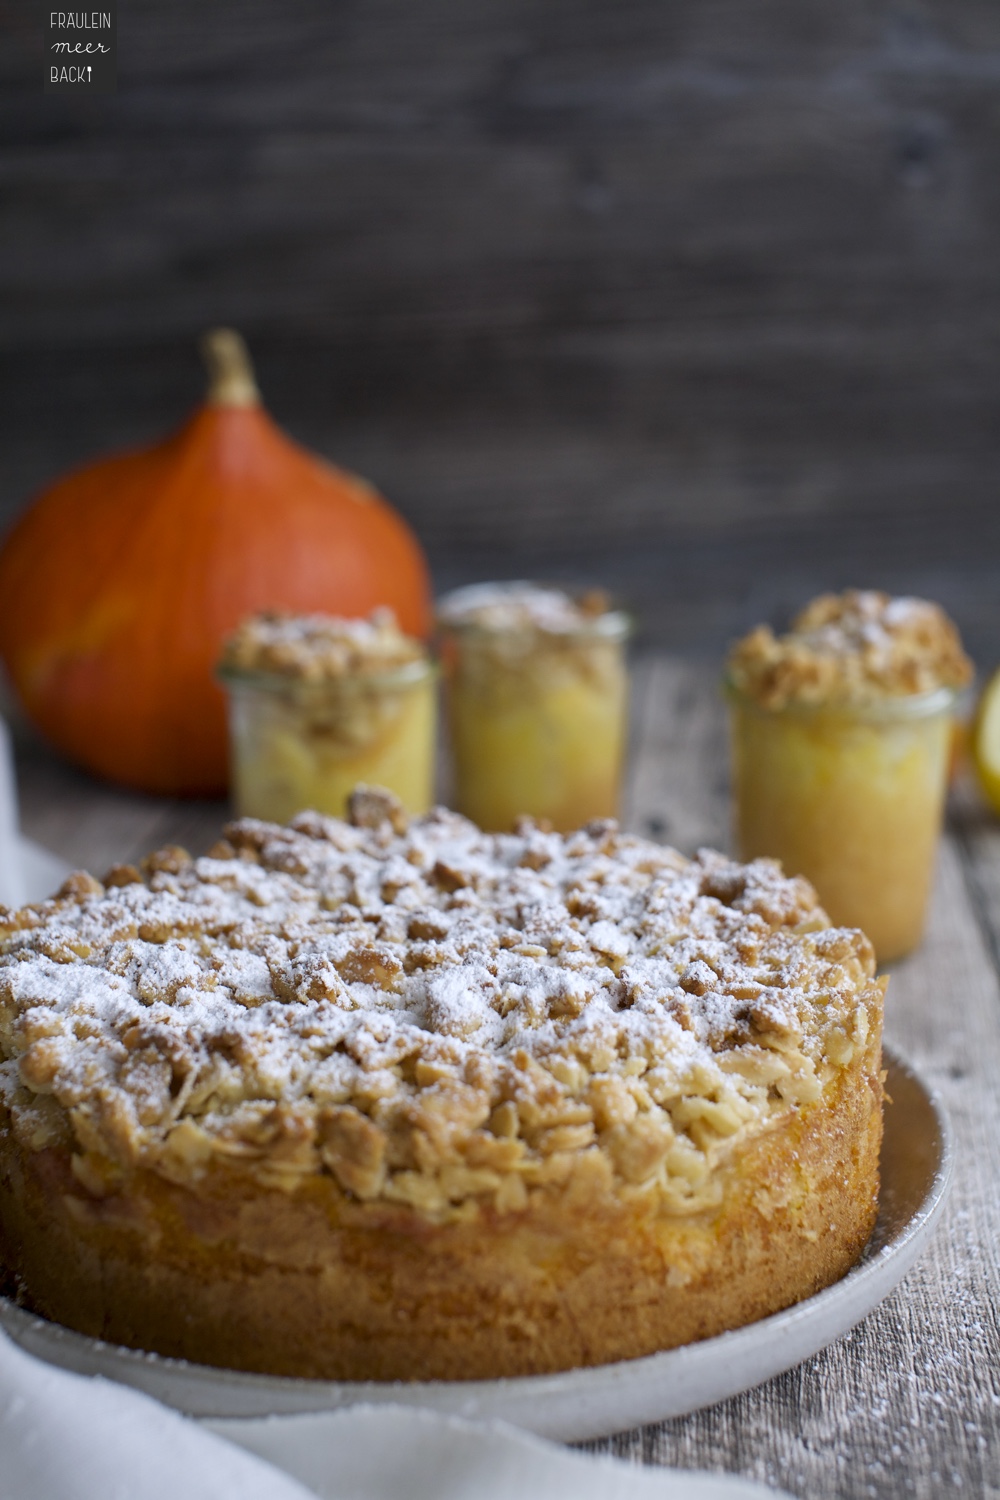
(537, 699)
(852, 648)
(439, 1018)
(318, 704)
(841, 737)
(319, 648)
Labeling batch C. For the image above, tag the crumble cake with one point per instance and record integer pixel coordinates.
(401, 1100)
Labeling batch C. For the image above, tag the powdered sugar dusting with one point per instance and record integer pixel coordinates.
(520, 606)
(316, 648)
(854, 647)
(387, 1003)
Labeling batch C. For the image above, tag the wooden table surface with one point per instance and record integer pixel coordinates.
(908, 1404)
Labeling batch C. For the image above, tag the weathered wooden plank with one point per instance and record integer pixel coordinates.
(977, 829)
(94, 825)
(504, 167)
(679, 777)
(556, 273)
(91, 825)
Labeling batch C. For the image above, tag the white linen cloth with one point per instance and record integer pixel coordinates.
(27, 871)
(78, 1437)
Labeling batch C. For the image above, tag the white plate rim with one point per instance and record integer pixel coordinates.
(571, 1405)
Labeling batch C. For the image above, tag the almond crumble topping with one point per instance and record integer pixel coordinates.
(851, 648)
(437, 1017)
(318, 648)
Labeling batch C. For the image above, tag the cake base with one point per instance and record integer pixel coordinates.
(315, 1284)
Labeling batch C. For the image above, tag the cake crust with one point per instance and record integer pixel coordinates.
(315, 1286)
(569, 1100)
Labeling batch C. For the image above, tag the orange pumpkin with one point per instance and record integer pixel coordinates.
(118, 584)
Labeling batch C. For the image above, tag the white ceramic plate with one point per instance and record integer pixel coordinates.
(579, 1404)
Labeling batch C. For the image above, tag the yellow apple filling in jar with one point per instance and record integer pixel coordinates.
(841, 735)
(537, 694)
(318, 704)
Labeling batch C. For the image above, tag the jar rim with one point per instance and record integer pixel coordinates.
(899, 708)
(615, 626)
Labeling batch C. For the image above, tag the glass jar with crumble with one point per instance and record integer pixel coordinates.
(319, 704)
(537, 698)
(841, 741)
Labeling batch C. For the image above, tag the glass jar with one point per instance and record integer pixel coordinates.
(852, 798)
(297, 743)
(537, 719)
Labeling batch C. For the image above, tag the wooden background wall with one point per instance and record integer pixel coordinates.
(700, 296)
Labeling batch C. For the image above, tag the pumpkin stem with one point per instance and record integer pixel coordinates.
(230, 370)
